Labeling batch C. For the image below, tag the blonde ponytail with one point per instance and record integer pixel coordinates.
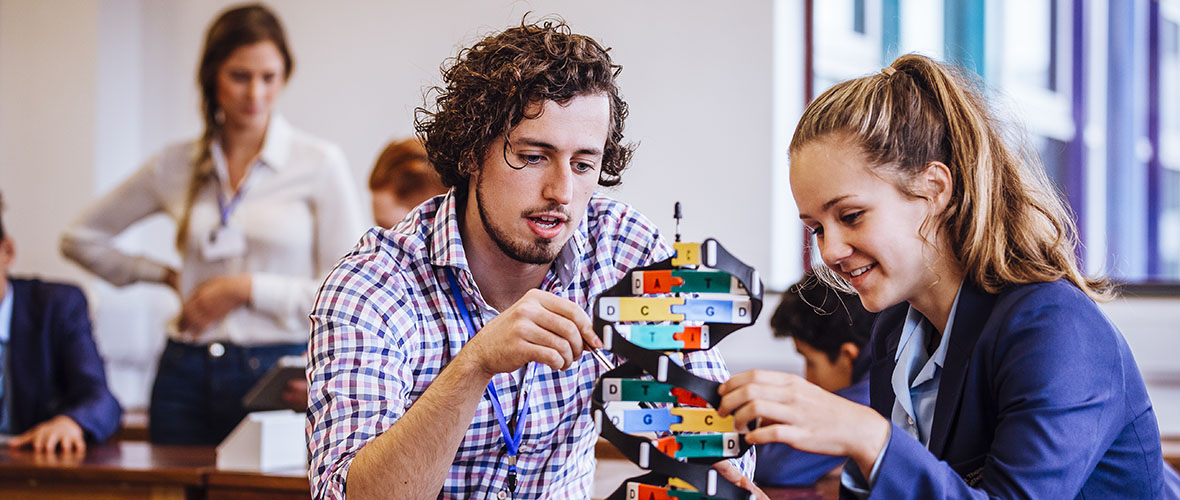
(1005, 223)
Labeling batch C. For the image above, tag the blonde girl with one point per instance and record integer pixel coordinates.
(994, 374)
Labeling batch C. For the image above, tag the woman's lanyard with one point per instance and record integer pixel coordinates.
(511, 441)
(225, 208)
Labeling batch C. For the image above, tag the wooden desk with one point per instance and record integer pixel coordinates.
(1172, 451)
(278, 485)
(140, 470)
(115, 470)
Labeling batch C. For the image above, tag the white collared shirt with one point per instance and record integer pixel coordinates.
(299, 215)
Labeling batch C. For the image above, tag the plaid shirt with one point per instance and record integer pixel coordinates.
(385, 324)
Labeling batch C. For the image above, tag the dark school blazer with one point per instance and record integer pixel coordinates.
(53, 363)
(1040, 398)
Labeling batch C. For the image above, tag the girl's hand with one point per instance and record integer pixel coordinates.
(793, 411)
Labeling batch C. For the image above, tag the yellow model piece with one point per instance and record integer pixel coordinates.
(675, 482)
(687, 254)
(700, 420)
(649, 308)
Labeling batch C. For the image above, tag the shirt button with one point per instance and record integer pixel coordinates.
(910, 420)
(216, 349)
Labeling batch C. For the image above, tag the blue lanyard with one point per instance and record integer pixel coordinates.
(225, 208)
(511, 441)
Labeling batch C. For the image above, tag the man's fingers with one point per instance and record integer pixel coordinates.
(572, 312)
(546, 339)
(558, 326)
(546, 356)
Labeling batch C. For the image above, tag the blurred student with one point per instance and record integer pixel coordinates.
(263, 211)
(53, 388)
(830, 329)
(401, 179)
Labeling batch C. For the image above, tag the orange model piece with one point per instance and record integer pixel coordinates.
(650, 492)
(691, 336)
(659, 281)
(686, 398)
(668, 446)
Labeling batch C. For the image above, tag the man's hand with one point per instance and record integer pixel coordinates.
(211, 301)
(48, 435)
(539, 327)
(796, 412)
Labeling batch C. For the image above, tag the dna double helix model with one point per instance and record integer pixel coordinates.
(653, 316)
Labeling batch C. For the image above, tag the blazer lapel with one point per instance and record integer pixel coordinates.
(975, 306)
(881, 395)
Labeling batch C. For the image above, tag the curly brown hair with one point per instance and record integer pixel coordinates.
(489, 87)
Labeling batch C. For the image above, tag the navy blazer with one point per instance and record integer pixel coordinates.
(1039, 398)
(53, 362)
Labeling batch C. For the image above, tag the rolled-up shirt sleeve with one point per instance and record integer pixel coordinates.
(90, 240)
(359, 377)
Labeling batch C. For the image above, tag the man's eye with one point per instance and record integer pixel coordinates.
(532, 159)
(583, 167)
(240, 77)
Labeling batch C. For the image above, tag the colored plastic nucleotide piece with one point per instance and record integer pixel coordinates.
(683, 281)
(650, 420)
(702, 445)
(688, 495)
(666, 337)
(700, 420)
(714, 310)
(640, 491)
(654, 282)
(687, 254)
(639, 308)
(705, 282)
(626, 389)
(686, 398)
(668, 446)
(655, 337)
(694, 337)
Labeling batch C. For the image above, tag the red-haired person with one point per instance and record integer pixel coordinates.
(402, 178)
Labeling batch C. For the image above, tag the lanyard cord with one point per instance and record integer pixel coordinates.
(511, 441)
(226, 208)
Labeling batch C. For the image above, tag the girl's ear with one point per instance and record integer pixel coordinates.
(937, 184)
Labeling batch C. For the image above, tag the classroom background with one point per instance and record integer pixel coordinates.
(89, 89)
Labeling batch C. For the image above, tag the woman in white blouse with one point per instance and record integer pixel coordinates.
(263, 213)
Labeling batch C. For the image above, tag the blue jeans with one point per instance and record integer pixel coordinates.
(197, 395)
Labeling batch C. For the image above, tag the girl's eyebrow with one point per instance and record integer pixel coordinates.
(828, 205)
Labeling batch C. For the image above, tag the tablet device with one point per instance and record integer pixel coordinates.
(267, 393)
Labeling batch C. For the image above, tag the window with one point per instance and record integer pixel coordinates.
(1095, 85)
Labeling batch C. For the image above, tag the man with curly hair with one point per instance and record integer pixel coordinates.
(448, 357)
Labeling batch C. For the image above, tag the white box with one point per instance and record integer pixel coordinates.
(265, 441)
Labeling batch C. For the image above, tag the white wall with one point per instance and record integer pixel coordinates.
(89, 89)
